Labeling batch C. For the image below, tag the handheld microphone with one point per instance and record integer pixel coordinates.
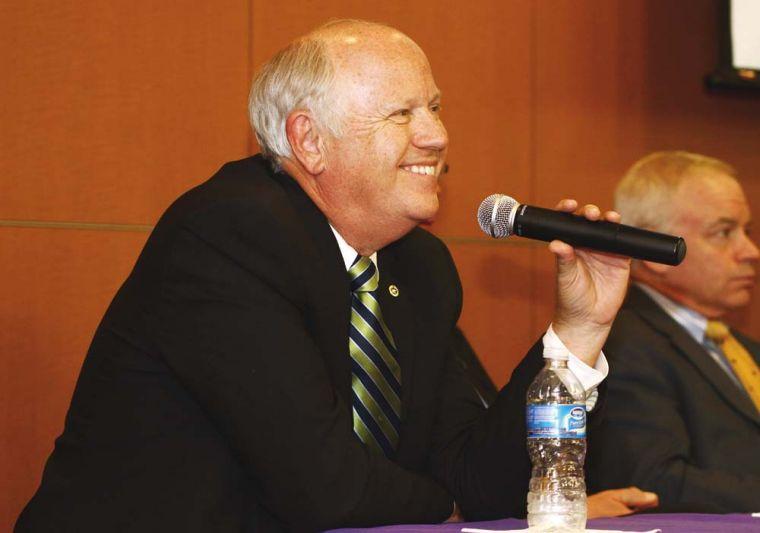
(501, 216)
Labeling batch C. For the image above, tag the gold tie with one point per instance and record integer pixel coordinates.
(741, 361)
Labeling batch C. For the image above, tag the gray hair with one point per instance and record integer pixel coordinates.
(299, 76)
(644, 197)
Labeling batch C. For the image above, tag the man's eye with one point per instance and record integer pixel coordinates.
(435, 108)
(401, 116)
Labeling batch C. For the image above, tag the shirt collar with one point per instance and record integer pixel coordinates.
(348, 253)
(693, 322)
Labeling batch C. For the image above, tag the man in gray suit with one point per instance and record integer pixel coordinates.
(684, 390)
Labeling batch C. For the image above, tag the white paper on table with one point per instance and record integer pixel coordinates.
(474, 530)
(756, 515)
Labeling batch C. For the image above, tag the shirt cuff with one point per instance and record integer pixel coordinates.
(589, 377)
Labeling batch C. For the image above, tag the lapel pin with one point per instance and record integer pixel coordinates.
(393, 290)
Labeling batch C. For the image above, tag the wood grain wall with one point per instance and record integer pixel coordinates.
(108, 110)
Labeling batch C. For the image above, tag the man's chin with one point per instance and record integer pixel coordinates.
(737, 301)
(427, 219)
(742, 299)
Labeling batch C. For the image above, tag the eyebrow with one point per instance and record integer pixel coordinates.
(408, 103)
(723, 221)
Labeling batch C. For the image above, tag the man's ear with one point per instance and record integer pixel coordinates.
(305, 141)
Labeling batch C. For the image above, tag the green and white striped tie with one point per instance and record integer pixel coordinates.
(376, 375)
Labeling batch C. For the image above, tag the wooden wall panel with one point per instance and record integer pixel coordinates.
(587, 124)
(56, 286)
(110, 109)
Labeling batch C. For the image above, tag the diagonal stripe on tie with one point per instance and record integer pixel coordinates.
(376, 374)
(364, 434)
(374, 438)
(386, 398)
(369, 342)
(369, 309)
(390, 389)
(373, 407)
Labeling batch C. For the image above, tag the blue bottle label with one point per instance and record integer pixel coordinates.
(556, 421)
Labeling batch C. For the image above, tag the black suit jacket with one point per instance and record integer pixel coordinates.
(216, 392)
(675, 423)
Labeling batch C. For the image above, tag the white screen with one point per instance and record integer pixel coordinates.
(745, 33)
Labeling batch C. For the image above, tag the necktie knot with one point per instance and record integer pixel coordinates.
(716, 331)
(363, 275)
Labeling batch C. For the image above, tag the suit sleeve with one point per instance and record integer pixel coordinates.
(645, 424)
(481, 453)
(235, 338)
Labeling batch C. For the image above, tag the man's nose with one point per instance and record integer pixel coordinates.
(430, 133)
(749, 250)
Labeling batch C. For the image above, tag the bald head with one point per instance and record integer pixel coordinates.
(350, 36)
(303, 76)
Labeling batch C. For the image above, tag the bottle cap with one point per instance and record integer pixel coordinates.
(556, 353)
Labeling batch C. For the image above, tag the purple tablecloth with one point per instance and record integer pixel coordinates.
(668, 523)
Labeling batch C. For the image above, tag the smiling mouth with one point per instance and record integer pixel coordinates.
(423, 170)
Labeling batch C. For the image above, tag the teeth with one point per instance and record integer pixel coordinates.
(420, 169)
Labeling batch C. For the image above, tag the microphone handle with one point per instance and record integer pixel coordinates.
(546, 225)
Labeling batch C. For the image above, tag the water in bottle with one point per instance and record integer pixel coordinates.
(556, 423)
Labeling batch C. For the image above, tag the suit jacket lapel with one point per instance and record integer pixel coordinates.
(329, 299)
(692, 350)
(398, 314)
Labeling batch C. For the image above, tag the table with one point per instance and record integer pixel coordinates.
(668, 523)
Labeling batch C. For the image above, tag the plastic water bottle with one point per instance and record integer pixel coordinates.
(556, 420)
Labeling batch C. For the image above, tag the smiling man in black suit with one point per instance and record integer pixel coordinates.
(256, 373)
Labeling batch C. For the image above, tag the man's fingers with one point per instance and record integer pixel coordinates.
(606, 504)
(567, 204)
(591, 212)
(620, 502)
(564, 252)
(635, 497)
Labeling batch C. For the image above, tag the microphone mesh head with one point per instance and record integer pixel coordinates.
(495, 215)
